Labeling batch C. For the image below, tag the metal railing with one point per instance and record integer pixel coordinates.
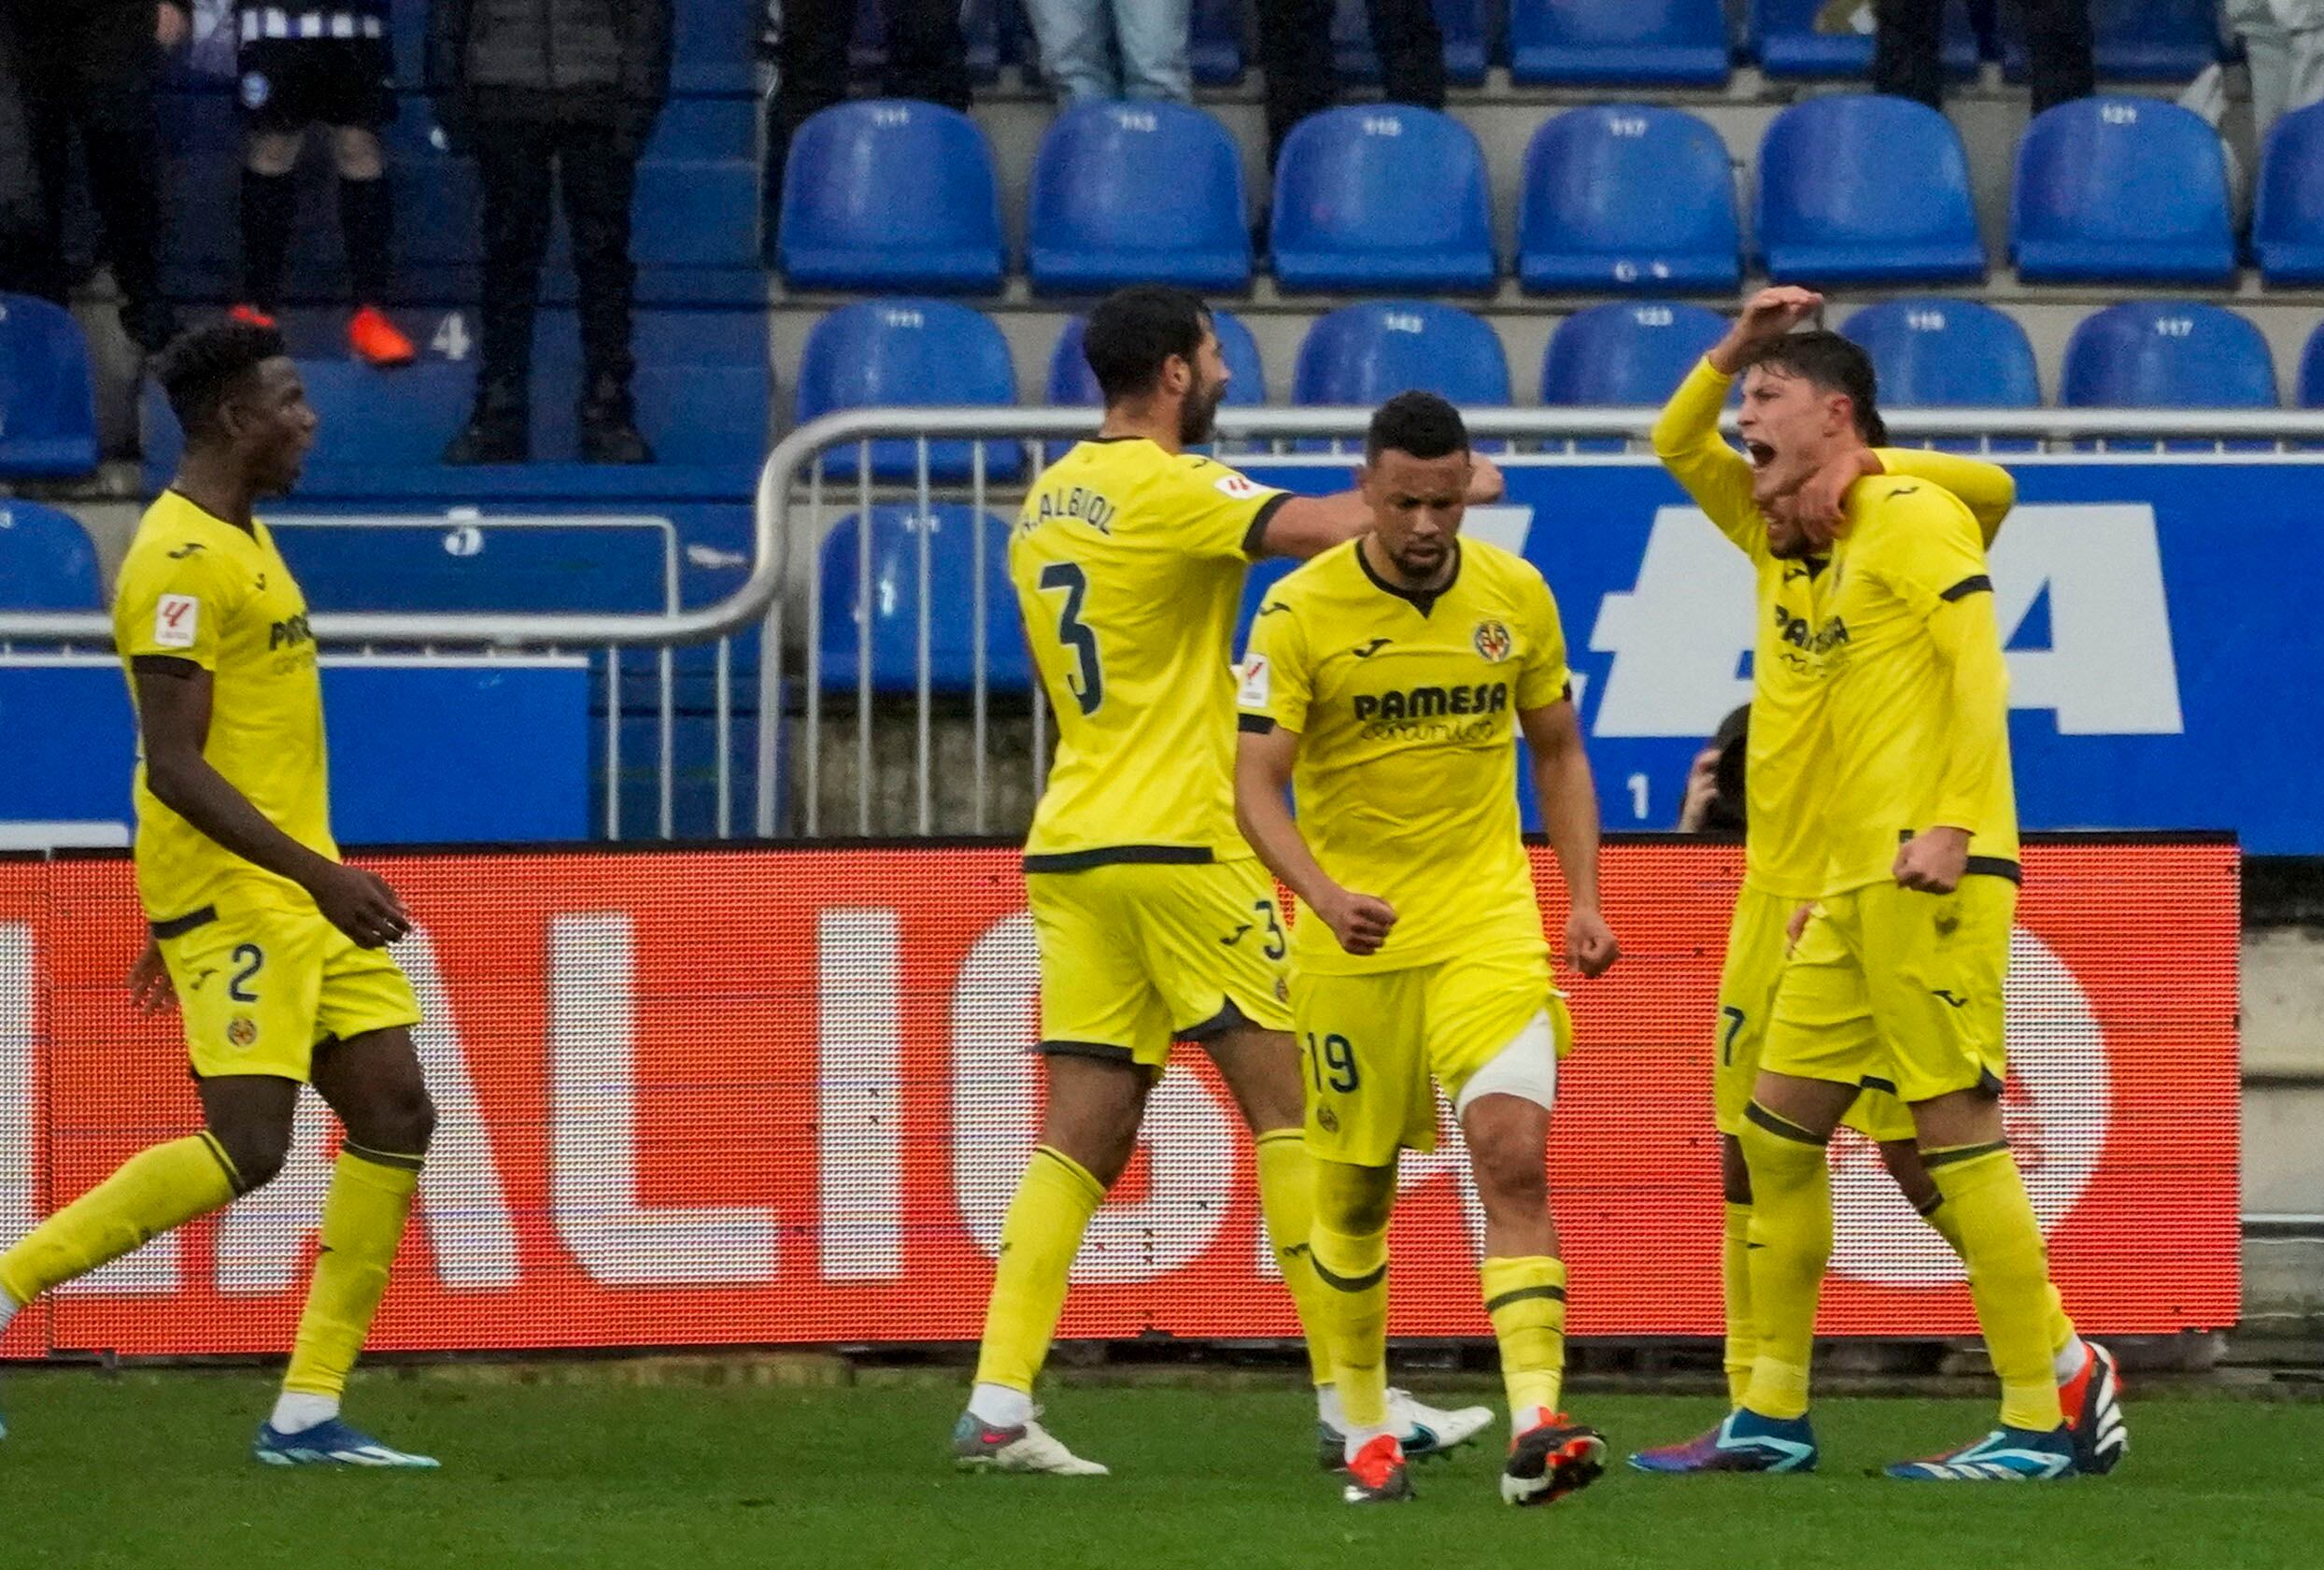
(797, 506)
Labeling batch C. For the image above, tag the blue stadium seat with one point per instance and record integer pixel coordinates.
(712, 44)
(1627, 197)
(1858, 189)
(893, 605)
(891, 194)
(1126, 194)
(1678, 41)
(2135, 41)
(2122, 190)
(47, 403)
(1462, 22)
(1216, 46)
(2288, 217)
(1383, 196)
(1937, 353)
(1363, 354)
(2312, 371)
(47, 563)
(909, 352)
(1784, 36)
(1626, 353)
(2168, 354)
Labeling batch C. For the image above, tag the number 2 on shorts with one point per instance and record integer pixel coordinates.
(250, 959)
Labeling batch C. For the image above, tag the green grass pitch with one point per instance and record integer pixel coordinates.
(150, 1470)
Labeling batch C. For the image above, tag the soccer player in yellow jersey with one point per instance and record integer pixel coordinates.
(1387, 682)
(1896, 980)
(1154, 922)
(272, 948)
(1785, 781)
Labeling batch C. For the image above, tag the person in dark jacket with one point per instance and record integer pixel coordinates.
(532, 89)
(927, 58)
(1295, 55)
(90, 67)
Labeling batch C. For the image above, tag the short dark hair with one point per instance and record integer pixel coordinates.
(1831, 363)
(1416, 422)
(1133, 330)
(204, 367)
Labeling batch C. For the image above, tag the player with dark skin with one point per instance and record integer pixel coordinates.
(255, 448)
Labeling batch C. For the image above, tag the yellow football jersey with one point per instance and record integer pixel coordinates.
(1786, 763)
(1911, 551)
(1128, 565)
(1406, 705)
(197, 588)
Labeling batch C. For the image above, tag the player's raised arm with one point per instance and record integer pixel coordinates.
(173, 722)
(1987, 489)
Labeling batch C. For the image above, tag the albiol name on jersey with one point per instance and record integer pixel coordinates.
(1079, 502)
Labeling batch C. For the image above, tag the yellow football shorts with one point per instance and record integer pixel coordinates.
(1899, 991)
(1135, 955)
(1757, 946)
(260, 987)
(1369, 1044)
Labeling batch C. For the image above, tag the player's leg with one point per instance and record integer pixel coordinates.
(1758, 941)
(1936, 968)
(1105, 1039)
(1496, 1032)
(270, 195)
(246, 1134)
(361, 107)
(367, 1071)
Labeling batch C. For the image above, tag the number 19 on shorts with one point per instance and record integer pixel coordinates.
(1331, 1062)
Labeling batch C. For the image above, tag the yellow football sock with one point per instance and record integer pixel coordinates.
(1742, 1346)
(2001, 1243)
(151, 1193)
(1038, 1242)
(1287, 1200)
(1525, 1300)
(1349, 1247)
(1789, 1242)
(363, 1216)
(2061, 1331)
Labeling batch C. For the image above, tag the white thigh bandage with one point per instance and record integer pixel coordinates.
(1526, 1068)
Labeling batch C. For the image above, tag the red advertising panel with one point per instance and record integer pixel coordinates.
(782, 1096)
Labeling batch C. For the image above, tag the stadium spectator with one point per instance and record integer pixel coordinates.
(2283, 44)
(1907, 59)
(532, 90)
(89, 67)
(927, 58)
(1713, 802)
(307, 62)
(19, 182)
(1296, 53)
(1093, 51)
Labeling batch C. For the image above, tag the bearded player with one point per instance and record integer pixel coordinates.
(1896, 981)
(1387, 682)
(1787, 772)
(1155, 923)
(272, 948)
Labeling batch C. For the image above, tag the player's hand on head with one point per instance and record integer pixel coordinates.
(150, 990)
(1773, 312)
(1486, 483)
(360, 904)
(1359, 921)
(1933, 860)
(1590, 945)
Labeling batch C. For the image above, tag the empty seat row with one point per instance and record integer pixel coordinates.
(1929, 353)
(892, 195)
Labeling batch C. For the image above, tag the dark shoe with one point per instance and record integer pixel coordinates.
(609, 433)
(499, 430)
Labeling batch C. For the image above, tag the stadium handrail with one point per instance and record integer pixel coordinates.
(785, 466)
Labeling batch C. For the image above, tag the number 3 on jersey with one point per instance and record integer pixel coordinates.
(1089, 682)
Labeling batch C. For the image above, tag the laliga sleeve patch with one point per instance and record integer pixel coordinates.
(1235, 485)
(1258, 683)
(176, 618)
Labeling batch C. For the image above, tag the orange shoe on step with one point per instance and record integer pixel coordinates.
(378, 341)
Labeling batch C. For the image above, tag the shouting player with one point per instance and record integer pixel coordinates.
(274, 948)
(1895, 983)
(1154, 922)
(1387, 681)
(1788, 771)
